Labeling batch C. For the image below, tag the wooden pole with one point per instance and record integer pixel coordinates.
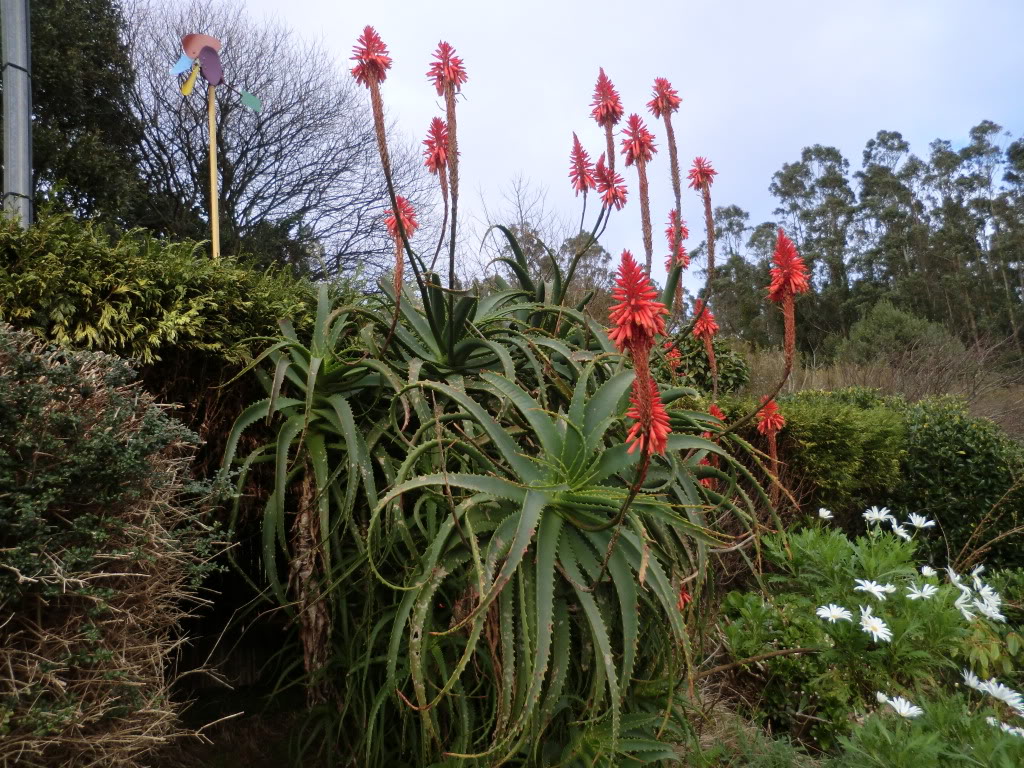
(211, 110)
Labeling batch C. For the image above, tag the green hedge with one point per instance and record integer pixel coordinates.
(852, 448)
(137, 296)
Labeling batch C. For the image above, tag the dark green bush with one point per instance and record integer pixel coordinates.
(100, 548)
(887, 333)
(138, 296)
(967, 474)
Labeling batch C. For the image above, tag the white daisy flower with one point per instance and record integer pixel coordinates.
(920, 521)
(825, 514)
(976, 575)
(988, 610)
(874, 626)
(928, 590)
(904, 707)
(928, 571)
(874, 588)
(876, 515)
(962, 603)
(881, 698)
(971, 680)
(990, 596)
(997, 690)
(1005, 727)
(833, 613)
(954, 578)
(900, 531)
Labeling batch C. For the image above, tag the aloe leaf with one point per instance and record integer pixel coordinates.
(604, 405)
(598, 630)
(507, 448)
(543, 426)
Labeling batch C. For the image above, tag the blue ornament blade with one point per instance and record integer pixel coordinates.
(250, 101)
(182, 65)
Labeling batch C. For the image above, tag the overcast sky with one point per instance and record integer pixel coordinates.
(759, 81)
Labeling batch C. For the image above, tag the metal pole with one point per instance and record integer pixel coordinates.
(17, 111)
(211, 113)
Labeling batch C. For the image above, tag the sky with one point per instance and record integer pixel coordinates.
(759, 81)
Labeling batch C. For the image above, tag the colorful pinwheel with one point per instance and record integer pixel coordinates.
(202, 56)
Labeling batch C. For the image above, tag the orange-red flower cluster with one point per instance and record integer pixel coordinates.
(717, 412)
(701, 175)
(769, 419)
(666, 99)
(610, 185)
(684, 597)
(676, 224)
(407, 216)
(446, 69)
(638, 317)
(371, 57)
(675, 359)
(638, 146)
(789, 275)
(651, 430)
(607, 104)
(436, 143)
(581, 170)
(705, 327)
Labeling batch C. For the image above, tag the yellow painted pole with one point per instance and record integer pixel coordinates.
(211, 110)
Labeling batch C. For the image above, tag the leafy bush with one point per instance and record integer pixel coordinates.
(733, 372)
(819, 694)
(99, 547)
(886, 333)
(137, 296)
(967, 474)
(847, 453)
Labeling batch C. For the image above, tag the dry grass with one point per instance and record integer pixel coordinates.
(991, 390)
(86, 652)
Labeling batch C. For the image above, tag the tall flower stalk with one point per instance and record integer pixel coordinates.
(769, 423)
(581, 174)
(789, 277)
(675, 233)
(638, 149)
(705, 328)
(702, 176)
(435, 158)
(607, 112)
(448, 74)
(665, 101)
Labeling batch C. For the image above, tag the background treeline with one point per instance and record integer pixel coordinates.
(940, 237)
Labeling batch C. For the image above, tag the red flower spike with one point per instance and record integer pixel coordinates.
(408, 218)
(717, 412)
(666, 99)
(610, 185)
(701, 175)
(436, 153)
(651, 430)
(682, 257)
(607, 104)
(672, 354)
(371, 57)
(581, 170)
(789, 275)
(684, 598)
(637, 317)
(638, 146)
(769, 420)
(447, 69)
(705, 327)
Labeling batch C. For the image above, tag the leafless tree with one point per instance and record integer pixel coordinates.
(300, 181)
